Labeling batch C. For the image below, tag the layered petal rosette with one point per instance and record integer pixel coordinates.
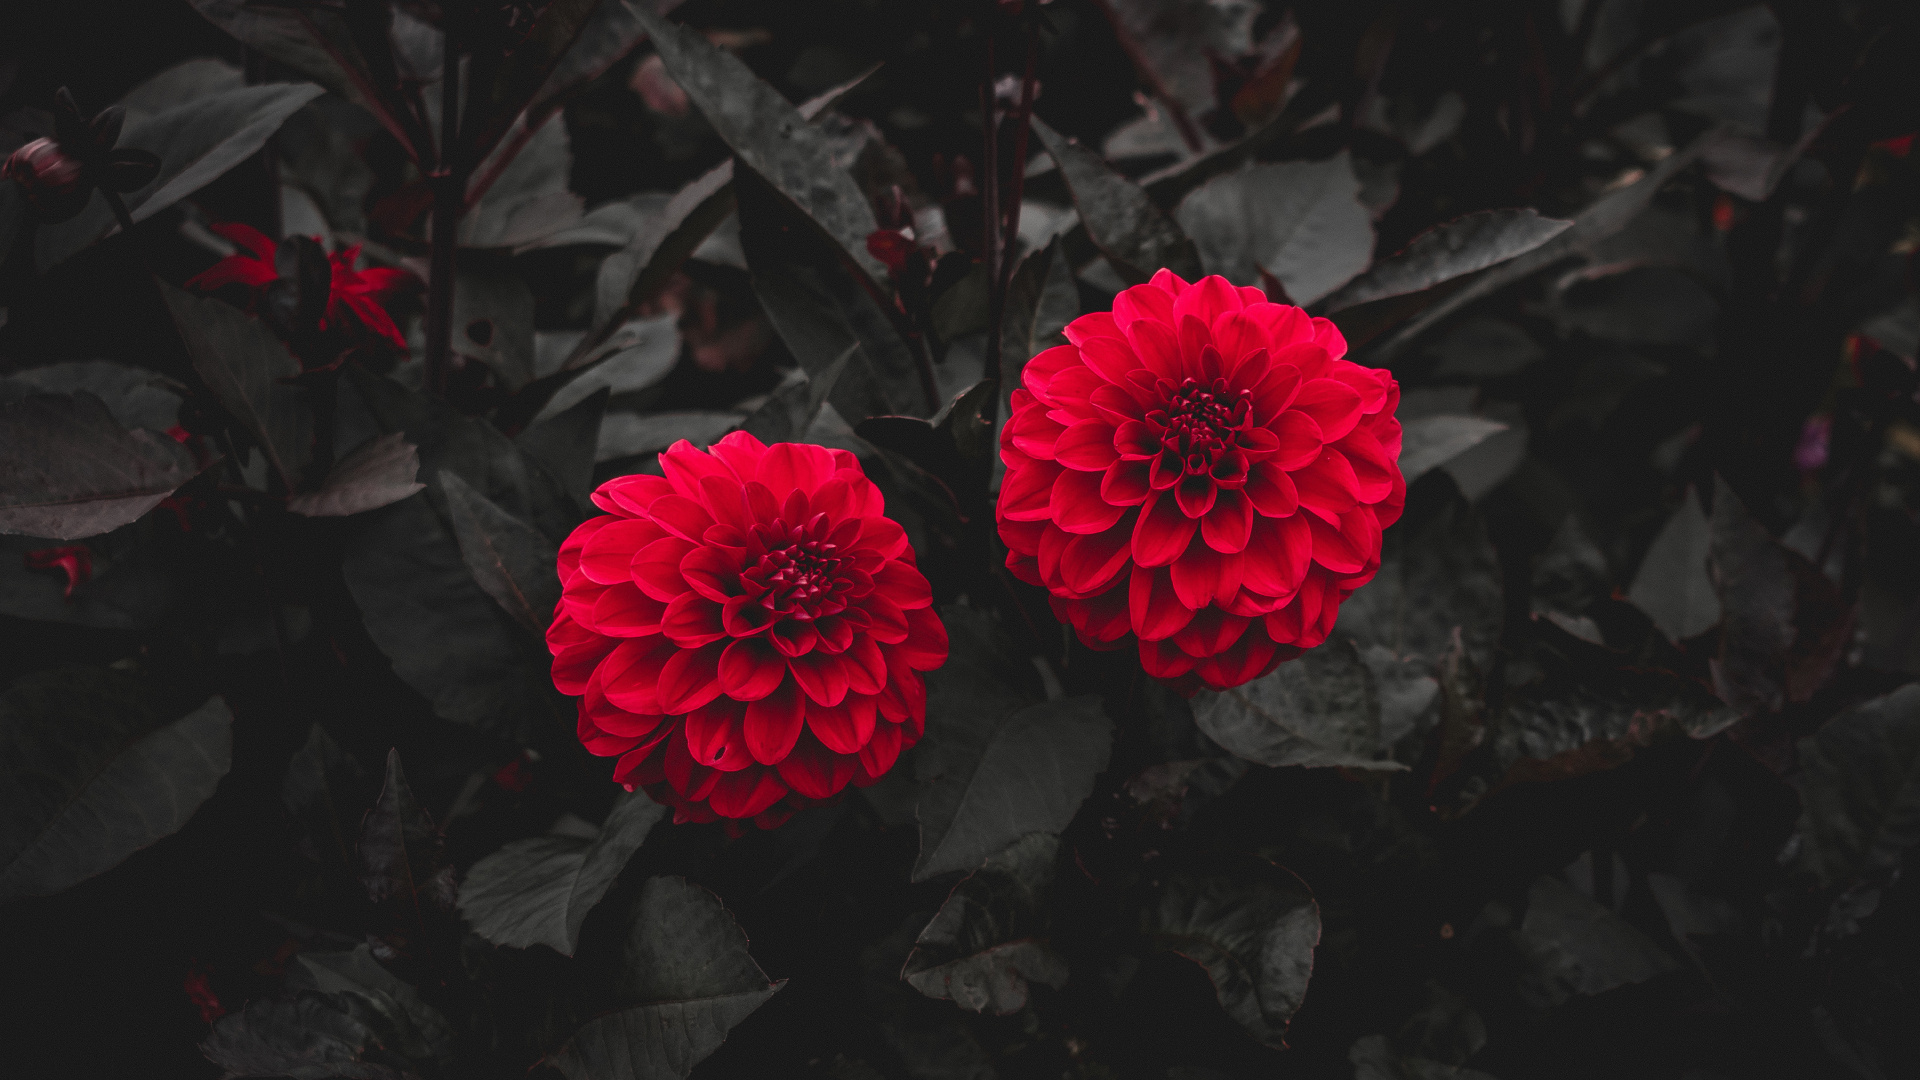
(1199, 473)
(747, 632)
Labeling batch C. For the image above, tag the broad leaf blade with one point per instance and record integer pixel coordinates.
(1428, 442)
(401, 855)
(508, 557)
(104, 780)
(71, 471)
(1860, 790)
(246, 366)
(377, 473)
(1320, 710)
(987, 941)
(1253, 927)
(1461, 246)
(1299, 221)
(538, 891)
(1672, 585)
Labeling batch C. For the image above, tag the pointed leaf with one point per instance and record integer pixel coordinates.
(1299, 221)
(1672, 585)
(791, 410)
(305, 1035)
(1859, 782)
(1320, 710)
(1136, 237)
(1573, 945)
(402, 857)
(247, 368)
(987, 941)
(325, 791)
(89, 776)
(1436, 574)
(508, 557)
(68, 470)
(1431, 441)
(538, 891)
(564, 444)
(390, 1006)
(1446, 251)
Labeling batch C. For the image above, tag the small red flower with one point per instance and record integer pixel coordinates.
(1200, 473)
(72, 560)
(354, 297)
(748, 632)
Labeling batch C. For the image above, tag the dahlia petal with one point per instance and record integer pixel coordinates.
(1199, 360)
(822, 676)
(882, 750)
(715, 735)
(1035, 434)
(1271, 490)
(690, 678)
(813, 772)
(1173, 283)
(1155, 347)
(843, 728)
(1162, 531)
(926, 646)
(883, 536)
(1091, 562)
(1333, 548)
(866, 666)
(630, 495)
(1369, 383)
(1026, 493)
(750, 669)
(656, 568)
(1092, 325)
(1238, 337)
(1211, 632)
(1076, 505)
(905, 585)
(791, 637)
(1328, 337)
(1100, 621)
(1208, 299)
(746, 793)
(1118, 404)
(1126, 483)
(1373, 470)
(1227, 526)
(1155, 611)
(711, 573)
(692, 620)
(607, 556)
(741, 452)
(685, 466)
(1196, 576)
(681, 516)
(1195, 495)
(1332, 404)
(1328, 486)
(630, 674)
(1142, 302)
(794, 466)
(1087, 446)
(725, 500)
(1277, 554)
(599, 743)
(1251, 656)
(1164, 660)
(1110, 358)
(773, 723)
(1300, 440)
(1036, 373)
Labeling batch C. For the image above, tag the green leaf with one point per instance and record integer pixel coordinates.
(1041, 300)
(377, 473)
(68, 470)
(248, 369)
(1300, 221)
(1134, 235)
(1252, 927)
(196, 143)
(769, 136)
(1859, 781)
(1786, 625)
(686, 980)
(988, 940)
(508, 557)
(1464, 245)
(1429, 442)
(1322, 709)
(401, 856)
(305, 1035)
(638, 355)
(88, 775)
(137, 397)
(990, 778)
(538, 891)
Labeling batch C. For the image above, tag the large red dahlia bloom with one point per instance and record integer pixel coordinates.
(748, 632)
(1199, 471)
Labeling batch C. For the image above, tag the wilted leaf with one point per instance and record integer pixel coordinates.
(988, 940)
(1461, 246)
(538, 891)
(769, 136)
(1253, 928)
(196, 143)
(1672, 585)
(1859, 782)
(686, 980)
(508, 557)
(247, 368)
(91, 776)
(70, 471)
(305, 1035)
(374, 474)
(402, 857)
(1428, 442)
(1319, 710)
(1300, 221)
(1135, 235)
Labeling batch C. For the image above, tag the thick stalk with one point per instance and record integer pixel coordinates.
(449, 202)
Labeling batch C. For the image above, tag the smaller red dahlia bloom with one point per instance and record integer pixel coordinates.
(1199, 473)
(747, 632)
(354, 296)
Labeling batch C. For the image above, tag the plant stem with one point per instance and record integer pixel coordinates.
(119, 210)
(449, 202)
(1189, 131)
(1002, 215)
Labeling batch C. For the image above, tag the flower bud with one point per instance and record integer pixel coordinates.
(53, 181)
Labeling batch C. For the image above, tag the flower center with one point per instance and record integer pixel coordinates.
(1199, 420)
(798, 576)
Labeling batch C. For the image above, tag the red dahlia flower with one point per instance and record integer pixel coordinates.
(747, 632)
(354, 296)
(1199, 471)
